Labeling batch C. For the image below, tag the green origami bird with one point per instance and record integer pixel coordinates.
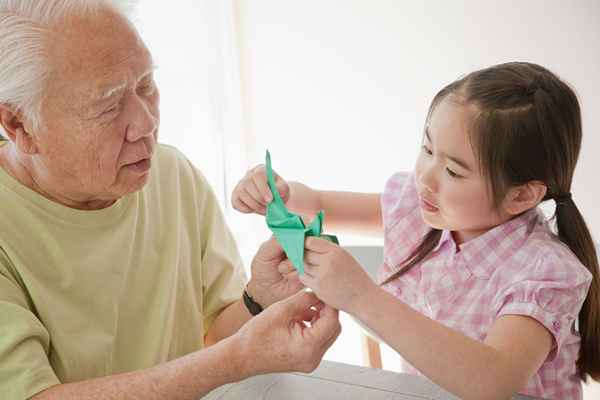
(288, 228)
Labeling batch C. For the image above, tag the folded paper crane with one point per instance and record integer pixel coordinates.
(288, 228)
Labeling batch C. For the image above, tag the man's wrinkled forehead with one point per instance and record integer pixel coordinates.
(96, 56)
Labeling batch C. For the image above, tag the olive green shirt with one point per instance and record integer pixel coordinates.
(85, 294)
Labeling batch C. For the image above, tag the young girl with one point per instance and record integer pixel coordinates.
(476, 291)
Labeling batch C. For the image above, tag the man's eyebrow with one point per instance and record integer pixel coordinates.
(111, 91)
(456, 160)
(148, 72)
(106, 93)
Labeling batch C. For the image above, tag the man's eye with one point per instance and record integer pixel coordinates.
(147, 89)
(110, 111)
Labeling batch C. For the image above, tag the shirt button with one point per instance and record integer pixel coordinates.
(556, 326)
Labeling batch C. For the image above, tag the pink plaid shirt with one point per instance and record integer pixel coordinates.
(519, 267)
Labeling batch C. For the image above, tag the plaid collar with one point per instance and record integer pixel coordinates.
(484, 253)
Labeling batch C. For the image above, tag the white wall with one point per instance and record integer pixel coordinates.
(184, 42)
(338, 90)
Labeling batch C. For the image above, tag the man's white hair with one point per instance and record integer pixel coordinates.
(24, 31)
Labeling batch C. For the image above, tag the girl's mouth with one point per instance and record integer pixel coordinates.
(427, 206)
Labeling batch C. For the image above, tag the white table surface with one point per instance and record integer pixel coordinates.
(334, 381)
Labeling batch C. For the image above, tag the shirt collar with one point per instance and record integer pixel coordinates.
(484, 253)
(446, 235)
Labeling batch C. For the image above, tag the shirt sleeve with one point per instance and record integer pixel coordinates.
(551, 292)
(24, 342)
(223, 274)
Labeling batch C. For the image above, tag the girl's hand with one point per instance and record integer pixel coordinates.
(335, 276)
(252, 193)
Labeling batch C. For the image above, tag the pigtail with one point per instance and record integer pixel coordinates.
(573, 231)
(571, 227)
(430, 240)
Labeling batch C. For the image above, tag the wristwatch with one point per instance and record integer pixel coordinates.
(253, 307)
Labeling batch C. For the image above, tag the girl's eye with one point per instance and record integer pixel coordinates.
(452, 173)
(426, 150)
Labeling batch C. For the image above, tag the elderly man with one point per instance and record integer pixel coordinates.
(115, 261)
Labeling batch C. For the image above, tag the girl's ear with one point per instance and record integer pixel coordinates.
(15, 128)
(522, 198)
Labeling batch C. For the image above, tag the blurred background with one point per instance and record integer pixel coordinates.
(338, 90)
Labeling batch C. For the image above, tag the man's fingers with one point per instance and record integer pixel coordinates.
(310, 315)
(297, 304)
(293, 276)
(286, 267)
(328, 323)
(271, 249)
(332, 339)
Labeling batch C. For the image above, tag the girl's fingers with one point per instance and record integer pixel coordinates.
(283, 188)
(253, 191)
(310, 270)
(262, 187)
(251, 202)
(239, 205)
(318, 245)
(312, 258)
(306, 278)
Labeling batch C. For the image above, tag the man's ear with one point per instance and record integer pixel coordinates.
(524, 197)
(16, 129)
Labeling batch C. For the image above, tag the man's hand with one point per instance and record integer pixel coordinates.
(273, 275)
(279, 339)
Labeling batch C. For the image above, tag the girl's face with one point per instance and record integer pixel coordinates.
(453, 193)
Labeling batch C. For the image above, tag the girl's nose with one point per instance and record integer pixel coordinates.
(427, 178)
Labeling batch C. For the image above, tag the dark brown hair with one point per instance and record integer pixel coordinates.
(527, 127)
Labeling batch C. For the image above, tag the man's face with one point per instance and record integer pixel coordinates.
(100, 112)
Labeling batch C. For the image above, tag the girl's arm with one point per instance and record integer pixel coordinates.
(515, 348)
(344, 211)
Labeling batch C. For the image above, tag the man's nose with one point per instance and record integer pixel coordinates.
(143, 123)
